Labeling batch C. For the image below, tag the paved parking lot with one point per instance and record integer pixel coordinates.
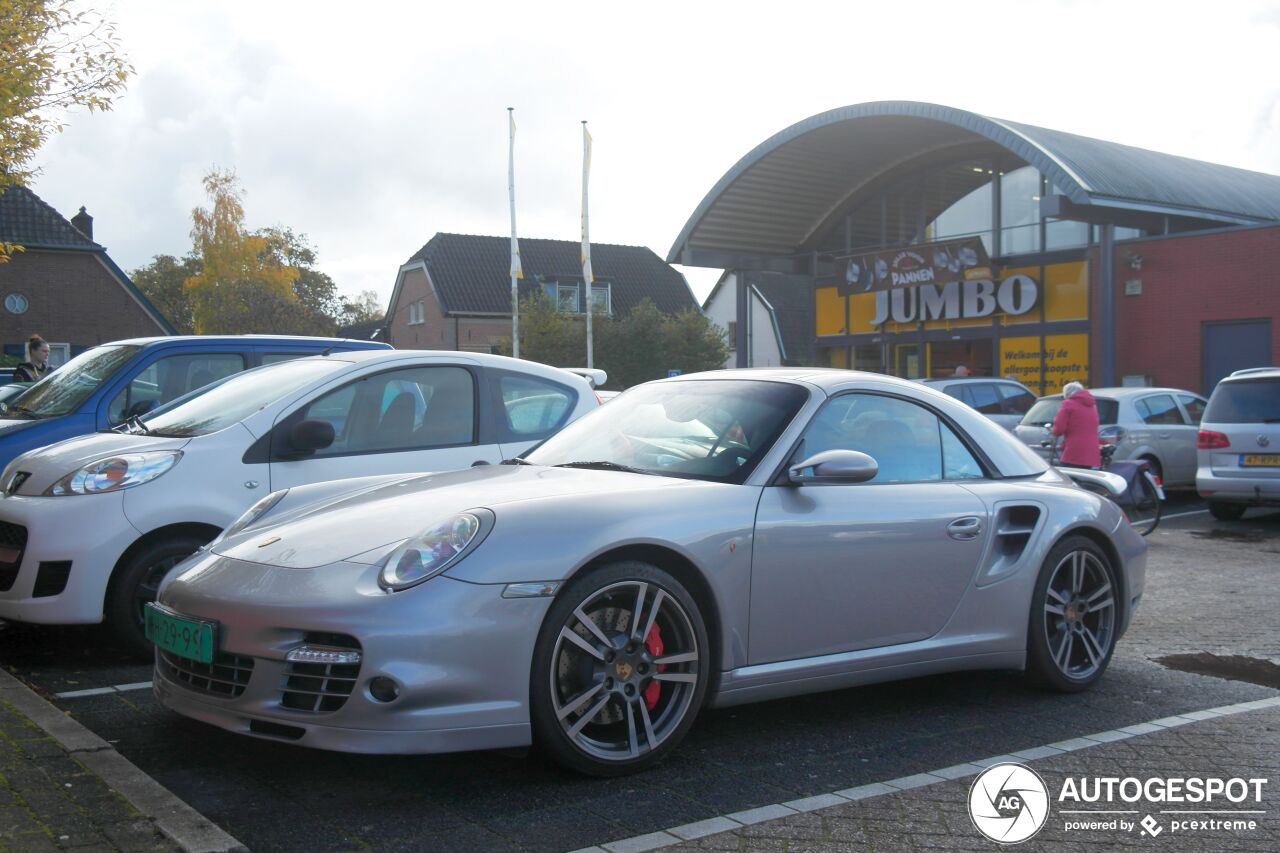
(1211, 589)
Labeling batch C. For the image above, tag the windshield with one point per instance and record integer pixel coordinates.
(62, 391)
(238, 397)
(1245, 403)
(1046, 409)
(705, 429)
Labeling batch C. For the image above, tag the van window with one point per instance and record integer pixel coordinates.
(62, 391)
(168, 379)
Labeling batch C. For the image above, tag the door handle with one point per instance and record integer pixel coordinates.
(965, 528)
(1164, 435)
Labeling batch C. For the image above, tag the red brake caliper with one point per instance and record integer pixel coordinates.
(653, 642)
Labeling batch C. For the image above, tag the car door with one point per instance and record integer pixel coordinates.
(837, 568)
(1171, 435)
(404, 420)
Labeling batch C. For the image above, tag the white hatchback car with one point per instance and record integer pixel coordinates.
(90, 526)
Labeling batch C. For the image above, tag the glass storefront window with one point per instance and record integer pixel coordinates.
(959, 200)
(1020, 211)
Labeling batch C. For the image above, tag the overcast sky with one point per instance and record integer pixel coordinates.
(370, 127)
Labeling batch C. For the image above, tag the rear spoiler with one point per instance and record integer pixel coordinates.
(1114, 484)
(595, 376)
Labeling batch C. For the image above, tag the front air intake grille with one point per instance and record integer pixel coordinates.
(13, 542)
(227, 676)
(320, 688)
(51, 578)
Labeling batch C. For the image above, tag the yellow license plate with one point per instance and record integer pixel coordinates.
(1261, 460)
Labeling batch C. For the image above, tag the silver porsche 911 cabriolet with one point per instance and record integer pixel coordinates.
(716, 538)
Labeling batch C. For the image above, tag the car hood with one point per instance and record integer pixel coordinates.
(363, 527)
(47, 465)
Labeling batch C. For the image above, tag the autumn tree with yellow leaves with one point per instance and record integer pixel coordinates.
(54, 56)
(243, 285)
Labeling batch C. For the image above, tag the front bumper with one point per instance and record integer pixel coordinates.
(89, 532)
(459, 654)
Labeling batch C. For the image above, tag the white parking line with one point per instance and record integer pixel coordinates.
(1183, 514)
(724, 823)
(103, 691)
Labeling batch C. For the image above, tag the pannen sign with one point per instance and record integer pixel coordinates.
(928, 263)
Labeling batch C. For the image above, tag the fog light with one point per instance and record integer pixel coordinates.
(383, 689)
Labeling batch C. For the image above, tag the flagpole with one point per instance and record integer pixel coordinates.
(516, 271)
(587, 277)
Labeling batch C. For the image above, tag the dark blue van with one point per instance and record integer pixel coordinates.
(103, 387)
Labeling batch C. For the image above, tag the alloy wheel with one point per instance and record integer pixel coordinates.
(1080, 614)
(624, 671)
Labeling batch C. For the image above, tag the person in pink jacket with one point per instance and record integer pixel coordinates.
(1077, 423)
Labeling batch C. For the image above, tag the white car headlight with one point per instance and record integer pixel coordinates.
(435, 549)
(116, 472)
(250, 515)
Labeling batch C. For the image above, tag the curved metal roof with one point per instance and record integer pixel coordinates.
(784, 190)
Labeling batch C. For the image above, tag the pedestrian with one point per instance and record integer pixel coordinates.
(961, 370)
(1077, 423)
(36, 367)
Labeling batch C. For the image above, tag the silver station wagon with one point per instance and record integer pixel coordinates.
(716, 538)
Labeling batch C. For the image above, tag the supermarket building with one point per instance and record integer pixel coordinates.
(932, 237)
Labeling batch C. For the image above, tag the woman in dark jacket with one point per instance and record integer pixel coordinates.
(36, 367)
(1077, 422)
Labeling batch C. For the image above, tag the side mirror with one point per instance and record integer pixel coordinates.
(834, 467)
(306, 437)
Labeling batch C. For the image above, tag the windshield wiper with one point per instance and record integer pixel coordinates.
(515, 460)
(136, 426)
(602, 465)
(22, 411)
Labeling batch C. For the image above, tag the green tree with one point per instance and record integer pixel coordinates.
(53, 57)
(163, 282)
(693, 342)
(547, 335)
(361, 308)
(244, 284)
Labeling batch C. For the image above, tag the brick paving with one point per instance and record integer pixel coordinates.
(50, 801)
(936, 816)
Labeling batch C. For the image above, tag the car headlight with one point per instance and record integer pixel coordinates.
(435, 549)
(116, 472)
(250, 515)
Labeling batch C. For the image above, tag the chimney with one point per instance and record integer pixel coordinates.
(83, 223)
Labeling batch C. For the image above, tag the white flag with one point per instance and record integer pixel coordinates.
(586, 232)
(516, 270)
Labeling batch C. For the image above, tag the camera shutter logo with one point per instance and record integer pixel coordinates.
(1008, 803)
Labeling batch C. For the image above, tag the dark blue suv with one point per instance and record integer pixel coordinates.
(109, 384)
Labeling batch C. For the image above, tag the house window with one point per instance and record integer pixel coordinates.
(567, 298)
(601, 299)
(733, 336)
(417, 313)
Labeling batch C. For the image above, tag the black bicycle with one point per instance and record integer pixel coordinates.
(1141, 501)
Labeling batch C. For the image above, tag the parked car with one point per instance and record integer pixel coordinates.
(1158, 425)
(103, 387)
(89, 526)
(1239, 444)
(724, 537)
(1005, 401)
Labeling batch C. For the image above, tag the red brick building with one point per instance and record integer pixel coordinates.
(63, 286)
(455, 292)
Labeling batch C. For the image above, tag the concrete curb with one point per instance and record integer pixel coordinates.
(183, 825)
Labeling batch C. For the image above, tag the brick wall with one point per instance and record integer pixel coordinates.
(439, 331)
(73, 298)
(1231, 275)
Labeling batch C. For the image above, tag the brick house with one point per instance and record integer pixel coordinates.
(455, 292)
(64, 286)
